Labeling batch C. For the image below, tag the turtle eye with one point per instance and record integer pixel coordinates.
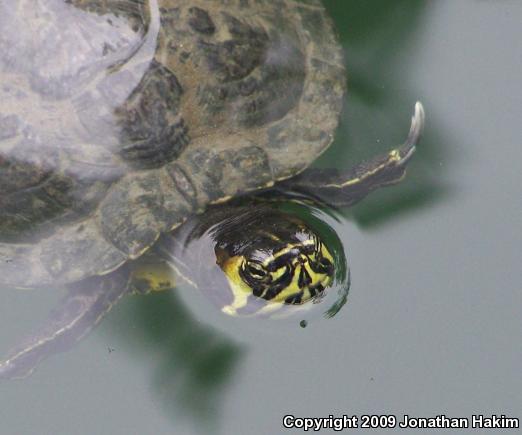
(255, 270)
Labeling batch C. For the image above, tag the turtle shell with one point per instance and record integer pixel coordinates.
(119, 119)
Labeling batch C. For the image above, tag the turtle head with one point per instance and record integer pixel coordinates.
(272, 260)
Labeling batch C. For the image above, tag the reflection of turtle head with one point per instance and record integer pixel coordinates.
(271, 260)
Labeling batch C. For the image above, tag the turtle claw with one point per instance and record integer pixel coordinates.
(417, 126)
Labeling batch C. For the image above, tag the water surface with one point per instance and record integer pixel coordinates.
(433, 323)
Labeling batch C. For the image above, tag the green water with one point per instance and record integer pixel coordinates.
(433, 324)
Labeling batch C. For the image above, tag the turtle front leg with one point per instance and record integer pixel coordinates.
(344, 188)
(84, 306)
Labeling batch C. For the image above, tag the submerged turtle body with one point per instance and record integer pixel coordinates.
(121, 120)
(114, 134)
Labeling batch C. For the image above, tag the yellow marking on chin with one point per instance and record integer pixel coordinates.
(240, 290)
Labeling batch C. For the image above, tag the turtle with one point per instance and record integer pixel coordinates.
(130, 126)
